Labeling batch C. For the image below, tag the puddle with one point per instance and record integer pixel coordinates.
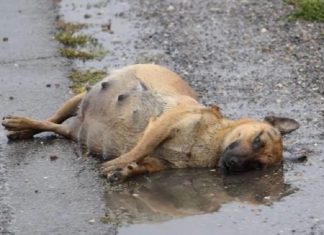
(181, 193)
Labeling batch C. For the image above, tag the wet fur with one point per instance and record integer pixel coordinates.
(149, 119)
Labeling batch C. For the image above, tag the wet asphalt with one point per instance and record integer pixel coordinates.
(244, 56)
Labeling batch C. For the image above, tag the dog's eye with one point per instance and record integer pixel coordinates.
(233, 145)
(257, 143)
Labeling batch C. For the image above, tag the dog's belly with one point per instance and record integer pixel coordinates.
(113, 116)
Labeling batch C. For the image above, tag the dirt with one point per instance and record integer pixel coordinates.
(244, 56)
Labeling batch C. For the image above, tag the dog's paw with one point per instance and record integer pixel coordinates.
(14, 123)
(116, 177)
(112, 165)
(108, 169)
(20, 135)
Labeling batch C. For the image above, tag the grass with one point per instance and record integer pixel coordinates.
(77, 46)
(69, 27)
(82, 79)
(76, 54)
(309, 10)
(69, 39)
(105, 219)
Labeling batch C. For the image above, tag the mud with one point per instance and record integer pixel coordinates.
(244, 56)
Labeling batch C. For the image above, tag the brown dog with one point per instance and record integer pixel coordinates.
(149, 119)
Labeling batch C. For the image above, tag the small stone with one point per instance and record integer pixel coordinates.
(303, 158)
(48, 85)
(92, 221)
(5, 39)
(215, 10)
(263, 30)
(87, 16)
(322, 112)
(135, 195)
(11, 97)
(36, 191)
(53, 158)
(170, 8)
(107, 27)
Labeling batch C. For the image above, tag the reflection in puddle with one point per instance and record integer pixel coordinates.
(179, 193)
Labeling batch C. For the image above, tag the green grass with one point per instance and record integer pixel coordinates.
(81, 79)
(310, 10)
(76, 54)
(69, 27)
(69, 39)
(77, 46)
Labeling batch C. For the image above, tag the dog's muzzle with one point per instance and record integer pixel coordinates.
(232, 162)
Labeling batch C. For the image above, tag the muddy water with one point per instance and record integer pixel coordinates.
(218, 47)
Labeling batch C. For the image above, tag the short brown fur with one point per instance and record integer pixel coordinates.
(148, 119)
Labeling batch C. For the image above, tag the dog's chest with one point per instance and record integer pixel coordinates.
(190, 147)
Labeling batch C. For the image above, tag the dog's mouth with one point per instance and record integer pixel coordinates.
(227, 169)
(232, 165)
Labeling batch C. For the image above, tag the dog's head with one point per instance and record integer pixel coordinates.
(255, 144)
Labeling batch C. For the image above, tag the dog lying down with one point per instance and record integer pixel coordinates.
(148, 119)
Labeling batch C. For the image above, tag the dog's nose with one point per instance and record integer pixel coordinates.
(232, 163)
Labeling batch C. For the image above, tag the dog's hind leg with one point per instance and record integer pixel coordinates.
(148, 165)
(67, 110)
(14, 123)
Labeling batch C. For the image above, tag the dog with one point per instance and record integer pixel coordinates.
(145, 118)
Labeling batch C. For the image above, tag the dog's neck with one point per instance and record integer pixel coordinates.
(218, 129)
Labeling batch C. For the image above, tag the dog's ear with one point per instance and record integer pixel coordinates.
(284, 125)
(216, 111)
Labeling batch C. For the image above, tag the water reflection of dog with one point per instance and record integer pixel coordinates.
(181, 193)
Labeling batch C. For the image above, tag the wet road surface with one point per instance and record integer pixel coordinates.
(244, 57)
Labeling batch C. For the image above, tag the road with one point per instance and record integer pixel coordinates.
(243, 56)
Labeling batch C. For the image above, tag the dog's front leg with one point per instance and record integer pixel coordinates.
(158, 130)
(147, 165)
